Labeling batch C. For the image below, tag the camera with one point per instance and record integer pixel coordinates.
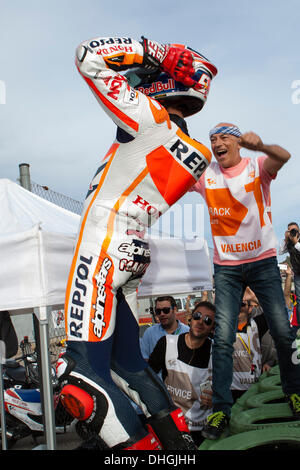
(294, 232)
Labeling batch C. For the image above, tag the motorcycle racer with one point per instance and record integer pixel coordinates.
(147, 89)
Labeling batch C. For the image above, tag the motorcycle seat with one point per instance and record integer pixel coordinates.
(17, 374)
(12, 363)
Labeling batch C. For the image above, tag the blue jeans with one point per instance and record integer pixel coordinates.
(263, 277)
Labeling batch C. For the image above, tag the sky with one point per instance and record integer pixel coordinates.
(50, 119)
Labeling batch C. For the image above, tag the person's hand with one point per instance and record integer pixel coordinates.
(206, 399)
(266, 368)
(174, 60)
(251, 141)
(204, 296)
(287, 235)
(178, 63)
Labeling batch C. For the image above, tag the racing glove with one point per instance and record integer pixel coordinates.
(174, 60)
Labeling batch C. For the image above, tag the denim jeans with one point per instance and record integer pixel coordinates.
(263, 277)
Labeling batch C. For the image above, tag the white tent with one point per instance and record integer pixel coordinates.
(36, 245)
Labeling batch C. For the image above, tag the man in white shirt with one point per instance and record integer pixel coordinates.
(291, 245)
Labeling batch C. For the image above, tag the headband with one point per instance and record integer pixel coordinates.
(233, 130)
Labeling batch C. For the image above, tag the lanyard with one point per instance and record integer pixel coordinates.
(244, 344)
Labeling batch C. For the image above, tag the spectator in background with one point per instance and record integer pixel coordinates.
(165, 311)
(248, 362)
(269, 354)
(290, 299)
(291, 245)
(185, 362)
(189, 306)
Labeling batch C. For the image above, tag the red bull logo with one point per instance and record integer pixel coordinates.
(158, 87)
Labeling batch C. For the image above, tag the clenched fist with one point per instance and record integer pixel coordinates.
(251, 141)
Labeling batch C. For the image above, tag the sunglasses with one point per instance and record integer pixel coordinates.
(206, 319)
(164, 310)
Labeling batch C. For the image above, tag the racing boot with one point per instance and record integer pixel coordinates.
(171, 430)
(89, 399)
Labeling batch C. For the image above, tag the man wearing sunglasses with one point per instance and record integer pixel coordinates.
(165, 313)
(185, 363)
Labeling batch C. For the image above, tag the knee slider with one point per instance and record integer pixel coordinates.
(84, 402)
(77, 402)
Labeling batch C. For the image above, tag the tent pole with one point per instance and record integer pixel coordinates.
(48, 401)
(36, 326)
(2, 406)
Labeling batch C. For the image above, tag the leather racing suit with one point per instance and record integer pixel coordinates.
(151, 165)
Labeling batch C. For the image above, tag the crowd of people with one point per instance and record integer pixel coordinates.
(182, 353)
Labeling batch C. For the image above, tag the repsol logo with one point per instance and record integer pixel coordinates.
(104, 41)
(193, 161)
(77, 302)
(99, 320)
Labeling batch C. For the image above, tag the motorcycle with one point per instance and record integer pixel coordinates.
(23, 406)
(24, 416)
(27, 375)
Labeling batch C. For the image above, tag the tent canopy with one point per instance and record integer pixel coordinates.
(177, 266)
(36, 245)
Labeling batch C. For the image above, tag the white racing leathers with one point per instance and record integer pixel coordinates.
(151, 165)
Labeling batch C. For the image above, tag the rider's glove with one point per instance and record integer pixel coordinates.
(175, 61)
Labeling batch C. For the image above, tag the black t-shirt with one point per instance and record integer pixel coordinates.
(198, 357)
(294, 256)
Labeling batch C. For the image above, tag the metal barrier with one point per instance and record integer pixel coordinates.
(59, 199)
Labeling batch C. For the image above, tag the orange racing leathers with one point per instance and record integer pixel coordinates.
(149, 167)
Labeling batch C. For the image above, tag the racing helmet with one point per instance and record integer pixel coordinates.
(166, 90)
